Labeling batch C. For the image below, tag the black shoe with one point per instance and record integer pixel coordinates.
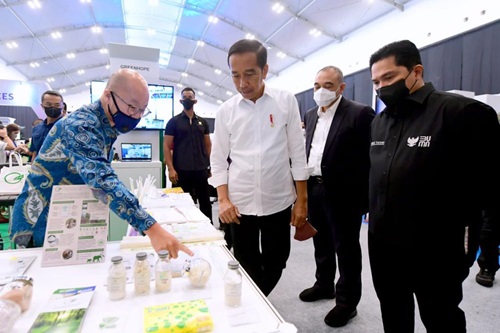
(485, 277)
(316, 293)
(340, 315)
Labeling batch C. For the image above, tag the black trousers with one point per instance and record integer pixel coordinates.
(196, 181)
(489, 242)
(431, 273)
(262, 246)
(336, 244)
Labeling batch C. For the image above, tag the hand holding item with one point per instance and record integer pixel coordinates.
(304, 232)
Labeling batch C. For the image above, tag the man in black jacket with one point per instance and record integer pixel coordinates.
(433, 157)
(337, 145)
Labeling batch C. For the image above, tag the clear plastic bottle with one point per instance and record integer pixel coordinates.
(232, 284)
(163, 272)
(142, 278)
(21, 282)
(117, 279)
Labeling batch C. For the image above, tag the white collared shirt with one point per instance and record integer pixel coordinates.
(319, 137)
(264, 142)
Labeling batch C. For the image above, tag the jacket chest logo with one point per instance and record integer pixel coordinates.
(423, 141)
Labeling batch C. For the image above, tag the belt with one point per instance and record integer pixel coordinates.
(316, 179)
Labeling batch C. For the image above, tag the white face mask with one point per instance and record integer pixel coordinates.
(324, 97)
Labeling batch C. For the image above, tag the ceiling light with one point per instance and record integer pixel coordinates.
(166, 24)
(191, 61)
(278, 8)
(218, 71)
(219, 101)
(107, 66)
(34, 64)
(200, 43)
(70, 56)
(96, 29)
(229, 93)
(50, 79)
(85, 1)
(200, 93)
(62, 91)
(315, 32)
(184, 74)
(179, 85)
(34, 4)
(103, 51)
(249, 36)
(12, 45)
(80, 72)
(281, 55)
(153, 3)
(151, 32)
(213, 19)
(208, 83)
(56, 35)
(87, 84)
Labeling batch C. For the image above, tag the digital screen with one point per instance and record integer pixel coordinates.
(136, 151)
(161, 104)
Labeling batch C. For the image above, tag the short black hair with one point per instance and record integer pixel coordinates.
(188, 89)
(405, 54)
(53, 93)
(249, 45)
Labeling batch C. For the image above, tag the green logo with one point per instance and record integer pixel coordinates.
(13, 178)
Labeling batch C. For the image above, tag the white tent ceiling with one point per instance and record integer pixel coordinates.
(38, 35)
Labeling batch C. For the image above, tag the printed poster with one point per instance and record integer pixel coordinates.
(77, 227)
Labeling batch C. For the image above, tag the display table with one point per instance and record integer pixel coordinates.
(255, 314)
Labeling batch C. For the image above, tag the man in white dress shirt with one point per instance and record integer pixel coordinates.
(259, 166)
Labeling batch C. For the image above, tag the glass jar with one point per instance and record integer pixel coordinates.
(117, 279)
(232, 284)
(163, 272)
(9, 312)
(198, 271)
(20, 282)
(142, 276)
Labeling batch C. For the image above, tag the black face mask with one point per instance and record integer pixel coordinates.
(53, 112)
(395, 93)
(187, 103)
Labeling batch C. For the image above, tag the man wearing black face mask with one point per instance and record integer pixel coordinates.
(78, 151)
(433, 156)
(187, 148)
(52, 104)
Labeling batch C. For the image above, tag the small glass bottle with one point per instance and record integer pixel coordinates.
(163, 272)
(232, 284)
(117, 279)
(9, 312)
(142, 276)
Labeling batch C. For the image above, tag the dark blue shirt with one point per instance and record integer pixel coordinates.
(39, 134)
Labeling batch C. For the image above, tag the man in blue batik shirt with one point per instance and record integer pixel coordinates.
(76, 151)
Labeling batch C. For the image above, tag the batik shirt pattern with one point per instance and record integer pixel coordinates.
(76, 151)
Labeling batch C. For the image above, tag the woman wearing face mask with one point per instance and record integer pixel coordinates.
(78, 151)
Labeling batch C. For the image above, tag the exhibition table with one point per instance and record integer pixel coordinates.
(256, 313)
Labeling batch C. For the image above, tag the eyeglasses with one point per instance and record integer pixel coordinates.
(132, 110)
